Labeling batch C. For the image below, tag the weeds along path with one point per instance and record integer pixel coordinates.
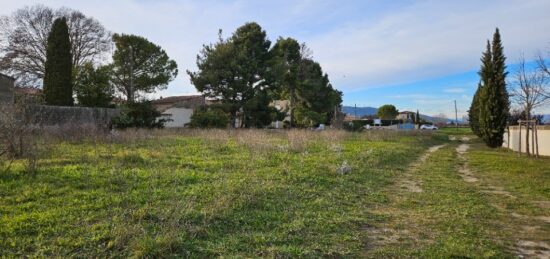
(436, 210)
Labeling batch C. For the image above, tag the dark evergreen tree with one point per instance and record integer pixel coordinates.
(140, 66)
(92, 86)
(58, 85)
(234, 70)
(494, 101)
(473, 112)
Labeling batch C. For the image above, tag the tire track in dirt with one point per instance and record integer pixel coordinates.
(407, 182)
(524, 248)
(379, 236)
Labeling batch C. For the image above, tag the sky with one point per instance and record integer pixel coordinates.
(414, 54)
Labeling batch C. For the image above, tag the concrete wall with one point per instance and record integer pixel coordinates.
(179, 117)
(46, 115)
(543, 137)
(6, 89)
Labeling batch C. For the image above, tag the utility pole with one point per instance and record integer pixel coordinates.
(456, 117)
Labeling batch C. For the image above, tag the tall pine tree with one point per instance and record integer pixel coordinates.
(494, 102)
(58, 85)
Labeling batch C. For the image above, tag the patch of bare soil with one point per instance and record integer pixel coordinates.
(530, 249)
(543, 204)
(465, 172)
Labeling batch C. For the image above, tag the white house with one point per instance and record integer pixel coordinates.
(178, 109)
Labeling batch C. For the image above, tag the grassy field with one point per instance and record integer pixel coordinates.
(255, 193)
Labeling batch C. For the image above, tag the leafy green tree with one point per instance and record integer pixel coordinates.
(285, 63)
(58, 85)
(258, 111)
(387, 112)
(209, 117)
(318, 96)
(473, 112)
(494, 100)
(92, 86)
(139, 115)
(139, 66)
(301, 81)
(234, 70)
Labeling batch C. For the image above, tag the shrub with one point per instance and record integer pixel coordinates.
(356, 125)
(139, 115)
(209, 117)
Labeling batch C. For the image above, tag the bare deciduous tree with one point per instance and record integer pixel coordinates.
(24, 34)
(529, 92)
(544, 69)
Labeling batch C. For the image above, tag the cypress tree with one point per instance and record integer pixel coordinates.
(58, 87)
(473, 112)
(494, 103)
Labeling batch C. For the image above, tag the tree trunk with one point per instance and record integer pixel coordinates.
(527, 151)
(291, 103)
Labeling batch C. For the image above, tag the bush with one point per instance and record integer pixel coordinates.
(139, 115)
(356, 125)
(209, 117)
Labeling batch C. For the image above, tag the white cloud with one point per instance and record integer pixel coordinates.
(429, 39)
(360, 44)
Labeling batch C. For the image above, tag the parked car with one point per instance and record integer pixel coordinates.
(428, 127)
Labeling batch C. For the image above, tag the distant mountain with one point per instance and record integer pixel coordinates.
(546, 118)
(362, 111)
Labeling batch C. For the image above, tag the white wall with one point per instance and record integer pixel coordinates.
(179, 117)
(543, 137)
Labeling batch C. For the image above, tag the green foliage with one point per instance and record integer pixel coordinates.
(473, 112)
(234, 70)
(301, 80)
(92, 86)
(356, 125)
(139, 66)
(494, 104)
(258, 113)
(387, 112)
(243, 72)
(209, 117)
(138, 115)
(58, 85)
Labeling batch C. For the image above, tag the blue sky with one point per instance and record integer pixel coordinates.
(414, 54)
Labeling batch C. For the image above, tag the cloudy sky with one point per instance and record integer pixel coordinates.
(414, 54)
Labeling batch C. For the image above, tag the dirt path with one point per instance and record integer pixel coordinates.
(408, 181)
(525, 248)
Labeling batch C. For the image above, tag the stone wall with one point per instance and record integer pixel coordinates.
(543, 139)
(46, 115)
(6, 89)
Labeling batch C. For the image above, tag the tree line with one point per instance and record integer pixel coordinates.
(244, 74)
(247, 74)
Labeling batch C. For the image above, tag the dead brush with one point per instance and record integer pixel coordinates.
(18, 139)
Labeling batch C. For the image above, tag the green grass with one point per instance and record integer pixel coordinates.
(200, 196)
(449, 218)
(270, 194)
(455, 131)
